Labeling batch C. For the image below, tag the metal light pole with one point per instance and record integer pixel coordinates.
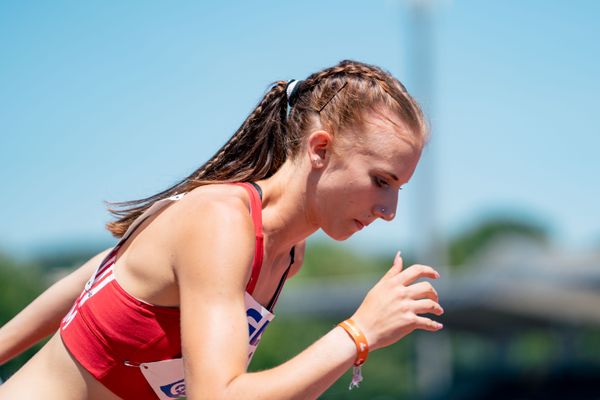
(433, 350)
(425, 231)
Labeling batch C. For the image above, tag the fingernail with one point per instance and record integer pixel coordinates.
(440, 326)
(398, 255)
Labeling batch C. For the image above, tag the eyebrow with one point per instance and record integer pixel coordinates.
(394, 177)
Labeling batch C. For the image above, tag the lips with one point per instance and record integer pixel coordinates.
(359, 224)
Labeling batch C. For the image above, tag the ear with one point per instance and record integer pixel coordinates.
(319, 148)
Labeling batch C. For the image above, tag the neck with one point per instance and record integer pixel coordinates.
(286, 217)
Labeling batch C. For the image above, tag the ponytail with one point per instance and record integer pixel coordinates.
(256, 151)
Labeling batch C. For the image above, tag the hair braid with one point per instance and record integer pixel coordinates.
(371, 73)
(338, 94)
(254, 152)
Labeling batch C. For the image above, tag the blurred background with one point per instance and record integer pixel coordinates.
(109, 101)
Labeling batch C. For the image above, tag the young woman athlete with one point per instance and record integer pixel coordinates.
(192, 283)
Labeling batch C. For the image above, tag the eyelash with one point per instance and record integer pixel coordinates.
(382, 183)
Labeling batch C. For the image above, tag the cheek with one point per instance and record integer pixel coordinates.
(345, 192)
(353, 200)
(346, 195)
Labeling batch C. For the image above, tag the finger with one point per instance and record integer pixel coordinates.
(422, 290)
(426, 306)
(427, 324)
(397, 266)
(414, 272)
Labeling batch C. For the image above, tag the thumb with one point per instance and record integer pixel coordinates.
(397, 265)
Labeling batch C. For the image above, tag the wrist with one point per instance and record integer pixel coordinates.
(362, 349)
(369, 335)
(354, 331)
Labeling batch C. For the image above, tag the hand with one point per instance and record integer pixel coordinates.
(391, 309)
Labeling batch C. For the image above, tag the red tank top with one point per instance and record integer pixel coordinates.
(111, 333)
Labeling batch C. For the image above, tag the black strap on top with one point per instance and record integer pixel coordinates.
(258, 189)
(282, 281)
(285, 274)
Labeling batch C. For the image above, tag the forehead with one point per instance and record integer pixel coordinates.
(384, 141)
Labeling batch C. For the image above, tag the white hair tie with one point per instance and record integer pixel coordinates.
(291, 91)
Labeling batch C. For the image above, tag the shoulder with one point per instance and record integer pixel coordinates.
(210, 222)
(212, 204)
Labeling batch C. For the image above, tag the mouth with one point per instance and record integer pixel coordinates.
(359, 224)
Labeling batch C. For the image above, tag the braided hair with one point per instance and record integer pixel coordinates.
(339, 95)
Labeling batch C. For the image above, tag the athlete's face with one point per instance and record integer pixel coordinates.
(364, 173)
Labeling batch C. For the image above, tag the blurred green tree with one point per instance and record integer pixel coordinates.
(326, 259)
(20, 283)
(465, 246)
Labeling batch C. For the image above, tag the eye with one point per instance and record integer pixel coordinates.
(379, 182)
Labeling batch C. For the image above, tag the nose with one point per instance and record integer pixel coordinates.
(383, 213)
(386, 210)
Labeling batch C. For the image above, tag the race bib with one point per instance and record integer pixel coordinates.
(166, 377)
(258, 319)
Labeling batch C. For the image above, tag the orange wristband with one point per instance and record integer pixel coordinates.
(360, 340)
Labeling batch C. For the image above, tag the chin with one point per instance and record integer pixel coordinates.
(338, 236)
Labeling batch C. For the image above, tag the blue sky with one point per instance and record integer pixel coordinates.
(117, 100)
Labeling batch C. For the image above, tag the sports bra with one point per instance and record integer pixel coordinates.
(133, 347)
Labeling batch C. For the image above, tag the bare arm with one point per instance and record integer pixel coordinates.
(212, 274)
(42, 317)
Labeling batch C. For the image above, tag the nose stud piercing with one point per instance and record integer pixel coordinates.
(382, 210)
